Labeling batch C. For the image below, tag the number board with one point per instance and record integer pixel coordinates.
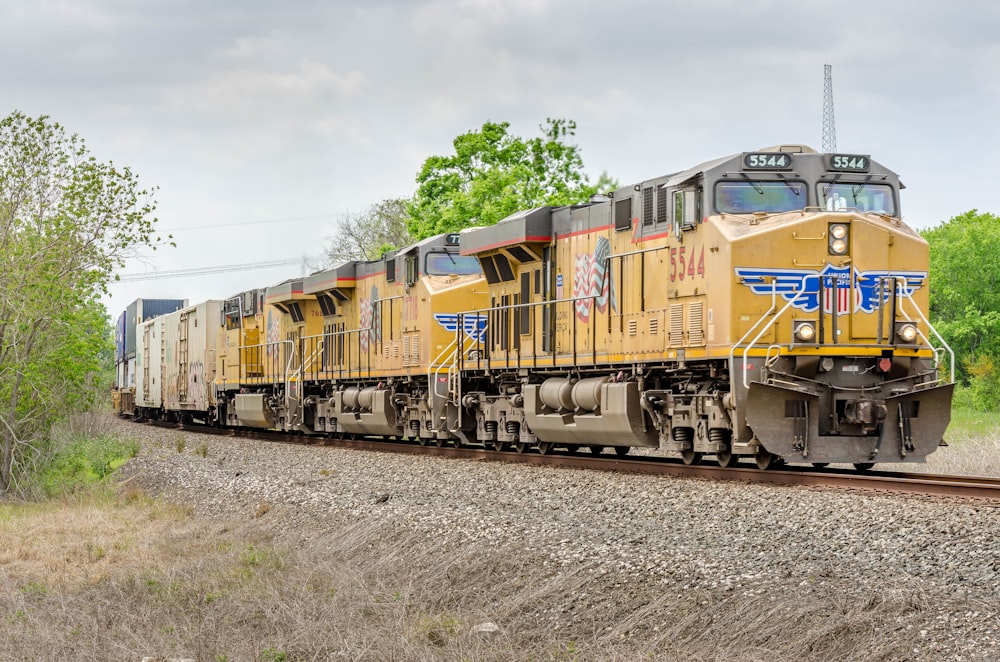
(848, 162)
(767, 161)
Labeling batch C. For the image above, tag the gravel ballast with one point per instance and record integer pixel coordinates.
(677, 538)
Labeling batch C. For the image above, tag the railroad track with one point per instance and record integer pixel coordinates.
(984, 489)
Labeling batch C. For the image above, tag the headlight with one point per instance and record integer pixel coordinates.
(805, 331)
(838, 238)
(906, 332)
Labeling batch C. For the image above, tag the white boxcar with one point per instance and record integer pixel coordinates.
(149, 366)
(189, 352)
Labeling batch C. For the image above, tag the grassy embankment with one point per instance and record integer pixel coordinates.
(101, 571)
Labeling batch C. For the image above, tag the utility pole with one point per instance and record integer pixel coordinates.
(829, 124)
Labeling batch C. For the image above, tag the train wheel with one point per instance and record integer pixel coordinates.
(499, 446)
(545, 447)
(863, 466)
(821, 465)
(422, 441)
(520, 447)
(689, 457)
(726, 458)
(457, 442)
(596, 450)
(764, 459)
(622, 451)
(439, 442)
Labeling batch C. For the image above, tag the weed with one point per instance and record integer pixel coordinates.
(213, 596)
(437, 629)
(180, 444)
(34, 588)
(95, 552)
(202, 450)
(253, 558)
(262, 509)
(18, 616)
(273, 655)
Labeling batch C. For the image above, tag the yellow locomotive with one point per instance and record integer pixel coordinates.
(769, 305)
(365, 348)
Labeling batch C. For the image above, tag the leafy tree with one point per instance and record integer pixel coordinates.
(67, 222)
(366, 235)
(493, 174)
(965, 298)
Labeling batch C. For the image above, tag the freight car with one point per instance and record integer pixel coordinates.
(137, 312)
(769, 305)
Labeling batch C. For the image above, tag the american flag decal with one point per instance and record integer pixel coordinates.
(368, 324)
(592, 278)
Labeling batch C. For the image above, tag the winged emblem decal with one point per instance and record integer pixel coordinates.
(845, 289)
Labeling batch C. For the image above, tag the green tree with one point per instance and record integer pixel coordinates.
(366, 235)
(965, 298)
(493, 174)
(67, 222)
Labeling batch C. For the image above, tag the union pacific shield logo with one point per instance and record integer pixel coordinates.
(845, 289)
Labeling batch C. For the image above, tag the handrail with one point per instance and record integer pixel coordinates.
(746, 350)
(908, 295)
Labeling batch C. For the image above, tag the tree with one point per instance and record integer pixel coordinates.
(493, 174)
(67, 222)
(366, 235)
(965, 297)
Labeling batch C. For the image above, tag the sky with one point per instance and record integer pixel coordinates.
(262, 123)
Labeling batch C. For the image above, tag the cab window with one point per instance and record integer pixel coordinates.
(860, 196)
(759, 196)
(446, 264)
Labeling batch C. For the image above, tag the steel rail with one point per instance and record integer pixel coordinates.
(981, 488)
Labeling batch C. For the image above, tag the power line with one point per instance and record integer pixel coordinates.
(202, 271)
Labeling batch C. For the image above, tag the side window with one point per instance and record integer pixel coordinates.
(411, 269)
(623, 214)
(687, 210)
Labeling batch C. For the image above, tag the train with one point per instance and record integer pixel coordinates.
(768, 306)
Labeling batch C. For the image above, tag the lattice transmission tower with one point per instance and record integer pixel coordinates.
(829, 124)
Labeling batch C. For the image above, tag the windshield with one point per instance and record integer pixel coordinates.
(766, 196)
(446, 264)
(863, 197)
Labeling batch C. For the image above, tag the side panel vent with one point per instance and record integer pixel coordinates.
(676, 325)
(696, 323)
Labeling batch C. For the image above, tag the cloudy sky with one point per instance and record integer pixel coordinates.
(263, 122)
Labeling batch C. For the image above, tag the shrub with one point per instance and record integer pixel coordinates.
(82, 462)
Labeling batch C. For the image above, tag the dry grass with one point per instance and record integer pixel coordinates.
(108, 580)
(973, 447)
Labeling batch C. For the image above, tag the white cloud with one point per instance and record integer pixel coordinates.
(246, 110)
